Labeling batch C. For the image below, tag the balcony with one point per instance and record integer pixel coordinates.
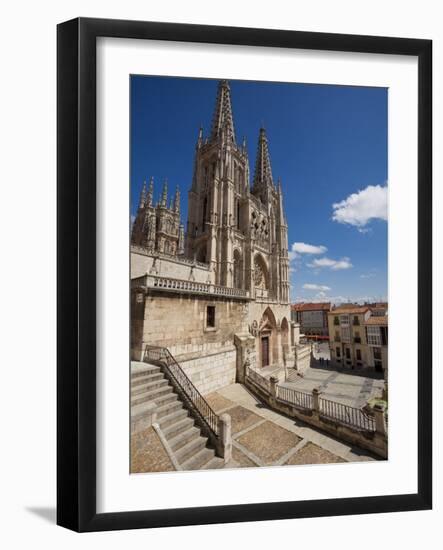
(337, 339)
(168, 284)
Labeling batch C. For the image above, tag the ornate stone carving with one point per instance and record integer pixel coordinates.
(259, 276)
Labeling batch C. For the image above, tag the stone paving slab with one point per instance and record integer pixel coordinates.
(241, 395)
(269, 442)
(241, 418)
(313, 454)
(148, 453)
(348, 389)
(217, 402)
(241, 459)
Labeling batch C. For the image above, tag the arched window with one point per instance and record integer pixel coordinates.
(238, 213)
(201, 254)
(261, 276)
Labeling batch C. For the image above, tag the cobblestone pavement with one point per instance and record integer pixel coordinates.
(351, 389)
(148, 453)
(263, 437)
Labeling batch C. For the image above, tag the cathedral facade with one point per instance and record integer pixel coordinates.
(217, 297)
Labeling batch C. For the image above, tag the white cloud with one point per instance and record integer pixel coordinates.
(312, 286)
(359, 208)
(335, 265)
(304, 248)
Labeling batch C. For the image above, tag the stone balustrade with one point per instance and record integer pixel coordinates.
(170, 284)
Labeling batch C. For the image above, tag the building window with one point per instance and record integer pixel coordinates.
(358, 354)
(336, 321)
(337, 352)
(344, 320)
(348, 353)
(210, 317)
(356, 321)
(346, 334)
(373, 335)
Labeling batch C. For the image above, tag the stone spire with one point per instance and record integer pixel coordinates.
(200, 137)
(150, 194)
(280, 202)
(223, 122)
(263, 172)
(164, 199)
(142, 200)
(177, 200)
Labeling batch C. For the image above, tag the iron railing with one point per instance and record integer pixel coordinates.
(331, 410)
(260, 380)
(346, 414)
(299, 399)
(196, 403)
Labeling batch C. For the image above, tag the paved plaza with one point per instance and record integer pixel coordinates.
(352, 388)
(260, 436)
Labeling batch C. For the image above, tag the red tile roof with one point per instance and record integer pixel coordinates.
(349, 309)
(308, 306)
(377, 320)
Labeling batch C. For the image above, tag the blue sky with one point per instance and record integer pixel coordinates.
(327, 143)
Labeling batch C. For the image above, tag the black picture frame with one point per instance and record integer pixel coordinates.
(76, 282)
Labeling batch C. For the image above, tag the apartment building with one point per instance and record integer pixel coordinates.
(313, 318)
(358, 338)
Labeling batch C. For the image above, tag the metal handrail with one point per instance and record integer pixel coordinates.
(346, 414)
(332, 410)
(193, 398)
(297, 398)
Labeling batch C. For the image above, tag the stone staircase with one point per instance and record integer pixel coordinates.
(190, 450)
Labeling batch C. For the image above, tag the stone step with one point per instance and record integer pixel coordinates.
(151, 385)
(192, 448)
(197, 461)
(168, 408)
(138, 411)
(183, 437)
(144, 370)
(177, 427)
(172, 418)
(159, 399)
(147, 378)
(145, 388)
(214, 464)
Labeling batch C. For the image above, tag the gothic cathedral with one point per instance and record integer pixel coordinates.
(217, 296)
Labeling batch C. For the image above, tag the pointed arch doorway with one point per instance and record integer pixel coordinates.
(267, 335)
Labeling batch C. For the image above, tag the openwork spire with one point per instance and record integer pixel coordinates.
(150, 194)
(177, 200)
(164, 199)
(142, 199)
(223, 122)
(263, 172)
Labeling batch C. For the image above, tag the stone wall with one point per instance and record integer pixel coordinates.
(142, 263)
(211, 372)
(179, 323)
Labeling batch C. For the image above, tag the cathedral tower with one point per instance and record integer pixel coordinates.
(158, 228)
(218, 193)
